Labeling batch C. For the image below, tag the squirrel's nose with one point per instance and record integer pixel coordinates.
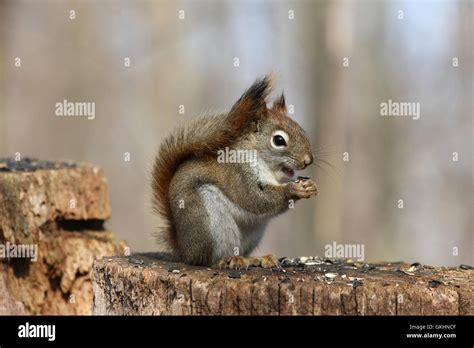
(308, 159)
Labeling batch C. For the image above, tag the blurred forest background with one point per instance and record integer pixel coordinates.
(399, 50)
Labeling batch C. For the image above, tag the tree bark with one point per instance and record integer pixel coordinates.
(143, 285)
(57, 209)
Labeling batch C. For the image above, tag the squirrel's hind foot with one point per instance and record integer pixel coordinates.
(269, 261)
(244, 262)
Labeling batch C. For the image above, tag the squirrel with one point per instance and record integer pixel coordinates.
(215, 213)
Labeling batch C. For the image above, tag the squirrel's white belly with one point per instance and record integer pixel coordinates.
(235, 231)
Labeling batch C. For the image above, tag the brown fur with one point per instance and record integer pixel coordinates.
(205, 137)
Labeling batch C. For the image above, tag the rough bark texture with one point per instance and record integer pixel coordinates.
(143, 285)
(59, 208)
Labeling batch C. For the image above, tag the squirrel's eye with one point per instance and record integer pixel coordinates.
(280, 139)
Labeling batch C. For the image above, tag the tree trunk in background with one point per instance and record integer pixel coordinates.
(333, 115)
(3, 73)
(303, 55)
(368, 176)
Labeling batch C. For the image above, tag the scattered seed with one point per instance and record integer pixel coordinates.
(312, 263)
(434, 283)
(368, 267)
(330, 275)
(287, 263)
(31, 165)
(234, 274)
(414, 267)
(135, 261)
(175, 271)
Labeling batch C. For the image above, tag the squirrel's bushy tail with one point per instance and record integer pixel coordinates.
(203, 137)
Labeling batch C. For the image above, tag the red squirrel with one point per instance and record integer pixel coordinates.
(215, 213)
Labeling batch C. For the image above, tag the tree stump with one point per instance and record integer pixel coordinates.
(57, 209)
(143, 285)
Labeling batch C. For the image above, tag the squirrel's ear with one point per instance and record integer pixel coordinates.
(253, 101)
(280, 102)
(255, 126)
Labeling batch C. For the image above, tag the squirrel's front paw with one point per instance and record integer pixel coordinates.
(302, 189)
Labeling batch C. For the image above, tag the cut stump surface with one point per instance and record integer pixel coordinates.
(143, 285)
